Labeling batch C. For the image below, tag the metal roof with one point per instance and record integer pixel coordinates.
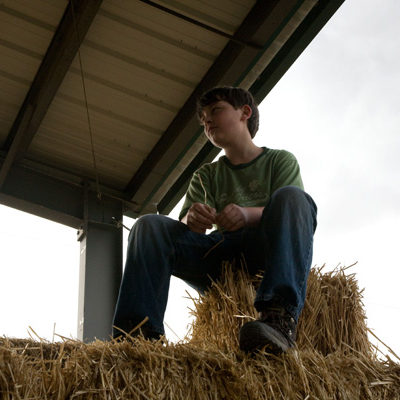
(102, 93)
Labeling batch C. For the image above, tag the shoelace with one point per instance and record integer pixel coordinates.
(279, 319)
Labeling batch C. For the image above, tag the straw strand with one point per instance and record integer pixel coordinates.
(220, 230)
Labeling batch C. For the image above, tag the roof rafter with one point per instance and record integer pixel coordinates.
(66, 41)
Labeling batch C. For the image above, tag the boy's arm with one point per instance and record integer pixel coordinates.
(234, 217)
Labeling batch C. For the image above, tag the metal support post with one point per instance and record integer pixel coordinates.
(100, 266)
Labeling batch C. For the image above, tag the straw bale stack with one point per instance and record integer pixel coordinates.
(333, 358)
(333, 317)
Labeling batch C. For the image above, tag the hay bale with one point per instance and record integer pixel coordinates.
(333, 317)
(333, 359)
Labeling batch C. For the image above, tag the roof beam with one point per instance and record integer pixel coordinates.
(198, 23)
(44, 196)
(57, 196)
(12, 152)
(66, 41)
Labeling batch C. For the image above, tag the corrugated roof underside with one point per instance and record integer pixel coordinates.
(26, 29)
(130, 57)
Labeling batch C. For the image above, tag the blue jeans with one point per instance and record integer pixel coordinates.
(281, 246)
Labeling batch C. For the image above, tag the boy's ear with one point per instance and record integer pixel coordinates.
(246, 112)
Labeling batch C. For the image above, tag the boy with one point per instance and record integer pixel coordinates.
(255, 197)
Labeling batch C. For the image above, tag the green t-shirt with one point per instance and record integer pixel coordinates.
(248, 185)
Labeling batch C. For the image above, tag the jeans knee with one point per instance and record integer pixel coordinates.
(289, 193)
(144, 224)
(156, 224)
(293, 196)
(296, 199)
(148, 220)
(151, 221)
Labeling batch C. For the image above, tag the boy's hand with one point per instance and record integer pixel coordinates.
(200, 217)
(234, 217)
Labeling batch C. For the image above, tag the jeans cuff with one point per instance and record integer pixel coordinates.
(262, 303)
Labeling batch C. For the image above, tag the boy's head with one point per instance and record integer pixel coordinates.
(236, 97)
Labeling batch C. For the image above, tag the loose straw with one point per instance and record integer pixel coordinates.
(332, 359)
(220, 230)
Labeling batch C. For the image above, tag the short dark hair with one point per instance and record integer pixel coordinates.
(236, 97)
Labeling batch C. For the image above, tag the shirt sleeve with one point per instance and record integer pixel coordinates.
(286, 172)
(199, 191)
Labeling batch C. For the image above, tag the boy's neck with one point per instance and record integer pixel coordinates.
(243, 154)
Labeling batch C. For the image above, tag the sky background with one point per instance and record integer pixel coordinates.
(338, 111)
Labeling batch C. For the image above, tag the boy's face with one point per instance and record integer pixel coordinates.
(223, 123)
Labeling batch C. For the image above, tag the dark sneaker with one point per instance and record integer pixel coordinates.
(275, 332)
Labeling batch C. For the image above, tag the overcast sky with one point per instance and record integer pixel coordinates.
(337, 111)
